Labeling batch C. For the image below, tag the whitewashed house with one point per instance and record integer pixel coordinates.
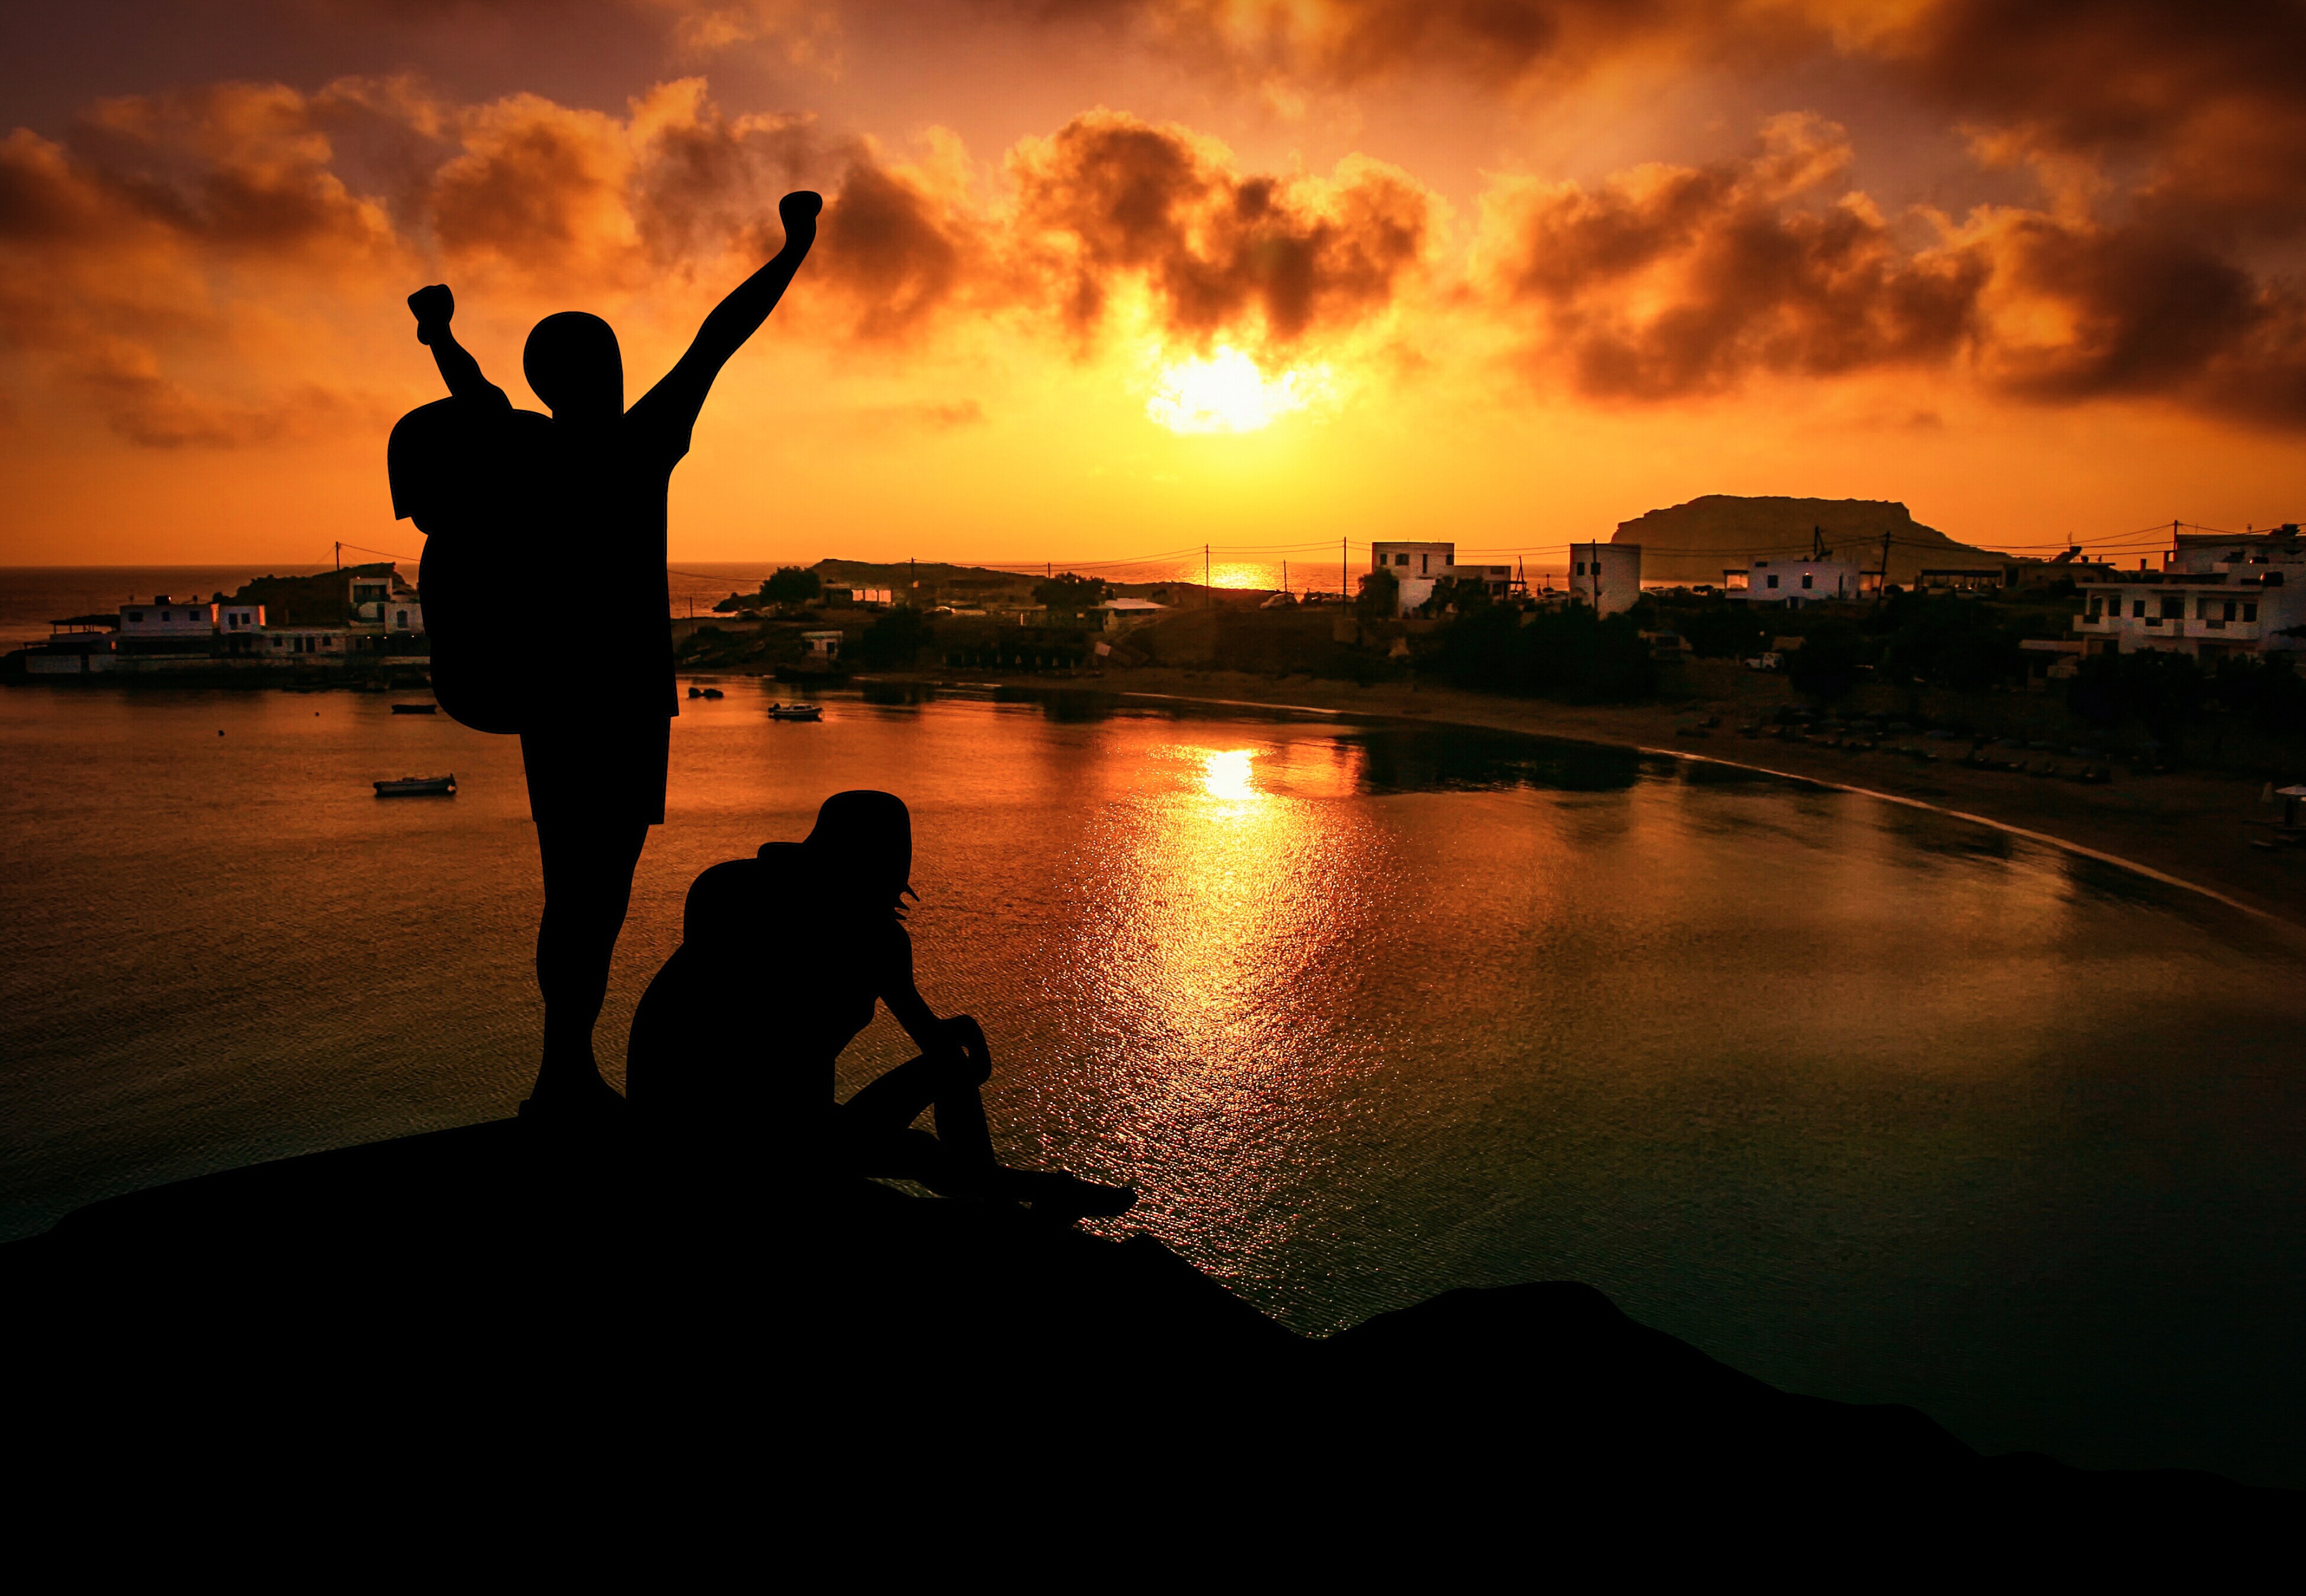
(1606, 576)
(1419, 568)
(1794, 582)
(2215, 594)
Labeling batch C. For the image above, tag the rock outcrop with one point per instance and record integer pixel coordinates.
(1697, 541)
(589, 1307)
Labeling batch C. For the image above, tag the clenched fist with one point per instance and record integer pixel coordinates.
(432, 306)
(798, 212)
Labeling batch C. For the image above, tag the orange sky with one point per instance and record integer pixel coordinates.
(1103, 279)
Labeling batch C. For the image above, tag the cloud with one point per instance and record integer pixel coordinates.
(187, 265)
(1108, 198)
(123, 379)
(1671, 283)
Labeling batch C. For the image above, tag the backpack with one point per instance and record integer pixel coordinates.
(466, 471)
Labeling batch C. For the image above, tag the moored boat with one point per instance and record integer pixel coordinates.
(418, 787)
(415, 709)
(796, 712)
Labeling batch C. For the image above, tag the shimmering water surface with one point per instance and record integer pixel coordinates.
(1874, 1104)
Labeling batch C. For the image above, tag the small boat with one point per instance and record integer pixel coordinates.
(697, 692)
(418, 787)
(415, 709)
(796, 712)
(714, 693)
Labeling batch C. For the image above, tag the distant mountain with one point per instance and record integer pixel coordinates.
(1697, 541)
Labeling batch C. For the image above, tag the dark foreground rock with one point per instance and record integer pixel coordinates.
(542, 1307)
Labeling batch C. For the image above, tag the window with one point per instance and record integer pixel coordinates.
(2097, 608)
(2230, 609)
(2174, 606)
(2137, 608)
(136, 617)
(2249, 610)
(1773, 581)
(1808, 581)
(1581, 568)
(1401, 559)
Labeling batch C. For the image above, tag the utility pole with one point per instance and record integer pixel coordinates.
(1208, 597)
(340, 552)
(1285, 577)
(1344, 583)
(1882, 582)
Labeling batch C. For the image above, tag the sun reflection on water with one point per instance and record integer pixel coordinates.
(1226, 775)
(1235, 884)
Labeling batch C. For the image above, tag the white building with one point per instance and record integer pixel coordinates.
(822, 645)
(166, 621)
(1418, 568)
(239, 629)
(1794, 582)
(2215, 594)
(1415, 568)
(307, 645)
(1121, 614)
(1606, 576)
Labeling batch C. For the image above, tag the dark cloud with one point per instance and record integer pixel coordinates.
(1109, 197)
(1669, 282)
(895, 250)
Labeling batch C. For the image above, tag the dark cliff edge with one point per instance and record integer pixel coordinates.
(593, 1305)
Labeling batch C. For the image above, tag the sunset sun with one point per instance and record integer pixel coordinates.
(1227, 392)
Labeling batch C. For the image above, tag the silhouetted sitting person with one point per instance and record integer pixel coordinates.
(782, 957)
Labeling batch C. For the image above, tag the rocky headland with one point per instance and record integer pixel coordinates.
(1697, 541)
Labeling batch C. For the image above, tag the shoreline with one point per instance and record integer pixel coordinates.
(2187, 829)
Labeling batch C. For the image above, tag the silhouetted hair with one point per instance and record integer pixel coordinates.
(868, 837)
(573, 363)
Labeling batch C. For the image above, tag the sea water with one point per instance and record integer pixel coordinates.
(1872, 1103)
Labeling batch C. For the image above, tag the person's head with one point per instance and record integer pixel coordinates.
(573, 364)
(865, 839)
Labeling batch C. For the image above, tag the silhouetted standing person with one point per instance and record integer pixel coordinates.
(591, 490)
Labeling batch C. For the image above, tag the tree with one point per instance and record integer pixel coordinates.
(1462, 595)
(1066, 591)
(793, 585)
(1380, 596)
(1569, 652)
(1825, 666)
(896, 639)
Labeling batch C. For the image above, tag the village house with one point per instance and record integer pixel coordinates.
(1790, 584)
(1606, 576)
(1121, 614)
(1418, 568)
(2216, 594)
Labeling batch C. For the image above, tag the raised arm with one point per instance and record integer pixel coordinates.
(433, 307)
(739, 316)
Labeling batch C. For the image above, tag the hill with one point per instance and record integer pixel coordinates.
(1697, 541)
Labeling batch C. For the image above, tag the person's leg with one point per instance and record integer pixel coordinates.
(588, 885)
(958, 1161)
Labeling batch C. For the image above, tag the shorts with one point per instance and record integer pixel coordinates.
(607, 772)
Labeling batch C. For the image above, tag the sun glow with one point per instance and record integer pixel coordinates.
(1225, 776)
(1227, 393)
